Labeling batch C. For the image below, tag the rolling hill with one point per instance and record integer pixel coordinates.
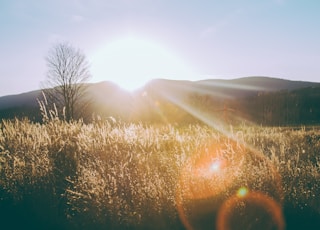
(262, 100)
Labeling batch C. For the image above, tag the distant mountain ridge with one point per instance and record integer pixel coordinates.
(20, 100)
(270, 84)
(110, 99)
(239, 87)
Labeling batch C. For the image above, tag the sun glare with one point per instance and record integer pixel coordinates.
(131, 62)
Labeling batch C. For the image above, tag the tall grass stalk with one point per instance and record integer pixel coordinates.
(123, 175)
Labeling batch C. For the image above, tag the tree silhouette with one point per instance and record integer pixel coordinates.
(67, 72)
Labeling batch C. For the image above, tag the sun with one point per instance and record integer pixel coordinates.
(131, 62)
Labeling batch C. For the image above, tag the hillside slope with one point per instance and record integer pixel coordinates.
(258, 99)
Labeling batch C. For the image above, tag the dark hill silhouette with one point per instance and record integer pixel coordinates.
(259, 99)
(20, 100)
(248, 86)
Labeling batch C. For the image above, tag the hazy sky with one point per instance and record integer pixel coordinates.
(177, 39)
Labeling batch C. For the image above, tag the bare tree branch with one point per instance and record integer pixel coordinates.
(67, 72)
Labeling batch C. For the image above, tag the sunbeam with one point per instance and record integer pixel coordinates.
(177, 97)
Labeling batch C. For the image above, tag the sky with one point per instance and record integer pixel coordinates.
(132, 41)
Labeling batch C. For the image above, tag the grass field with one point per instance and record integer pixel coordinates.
(106, 175)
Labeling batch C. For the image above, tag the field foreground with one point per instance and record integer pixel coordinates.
(108, 175)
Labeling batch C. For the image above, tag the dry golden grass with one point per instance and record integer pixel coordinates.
(135, 176)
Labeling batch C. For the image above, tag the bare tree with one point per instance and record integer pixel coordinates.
(67, 72)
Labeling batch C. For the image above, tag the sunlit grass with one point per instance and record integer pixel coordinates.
(124, 175)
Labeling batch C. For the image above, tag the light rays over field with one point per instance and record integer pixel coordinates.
(226, 175)
(117, 175)
(123, 175)
(176, 94)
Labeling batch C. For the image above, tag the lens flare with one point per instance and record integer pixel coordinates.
(242, 192)
(215, 166)
(223, 169)
(250, 210)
